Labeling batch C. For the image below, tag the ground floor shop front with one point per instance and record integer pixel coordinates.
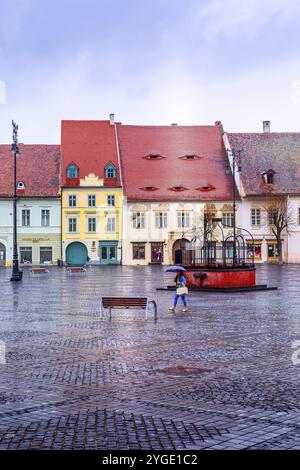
(92, 251)
(39, 250)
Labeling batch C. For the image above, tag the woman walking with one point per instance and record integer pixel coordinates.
(181, 291)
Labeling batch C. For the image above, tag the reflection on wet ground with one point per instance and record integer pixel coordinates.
(218, 377)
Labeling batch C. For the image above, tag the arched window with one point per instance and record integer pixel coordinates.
(72, 171)
(110, 171)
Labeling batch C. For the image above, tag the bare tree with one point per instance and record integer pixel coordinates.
(280, 218)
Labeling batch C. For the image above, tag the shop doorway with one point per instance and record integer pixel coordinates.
(178, 246)
(157, 253)
(2, 254)
(76, 254)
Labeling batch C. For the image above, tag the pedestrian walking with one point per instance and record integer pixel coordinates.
(181, 291)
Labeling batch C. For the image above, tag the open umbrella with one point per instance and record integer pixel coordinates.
(172, 269)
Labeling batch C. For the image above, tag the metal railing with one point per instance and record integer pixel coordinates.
(218, 255)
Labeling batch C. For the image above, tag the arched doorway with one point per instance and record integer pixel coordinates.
(2, 254)
(76, 253)
(178, 246)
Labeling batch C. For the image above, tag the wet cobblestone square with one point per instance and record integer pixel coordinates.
(219, 377)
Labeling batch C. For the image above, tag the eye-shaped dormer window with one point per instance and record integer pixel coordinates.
(21, 185)
(178, 188)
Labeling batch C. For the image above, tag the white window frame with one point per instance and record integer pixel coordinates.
(49, 218)
(111, 224)
(28, 216)
(113, 196)
(161, 219)
(69, 220)
(91, 197)
(88, 228)
(255, 216)
(227, 217)
(138, 220)
(183, 219)
(69, 200)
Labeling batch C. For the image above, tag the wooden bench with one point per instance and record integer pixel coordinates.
(127, 302)
(75, 269)
(35, 271)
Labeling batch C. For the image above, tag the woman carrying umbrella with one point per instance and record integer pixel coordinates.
(181, 289)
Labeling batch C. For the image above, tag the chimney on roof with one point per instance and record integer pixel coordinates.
(174, 124)
(112, 118)
(266, 126)
(220, 126)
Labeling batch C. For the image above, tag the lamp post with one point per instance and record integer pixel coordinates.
(16, 273)
(236, 166)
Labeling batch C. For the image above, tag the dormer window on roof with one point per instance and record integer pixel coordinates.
(110, 171)
(190, 156)
(149, 188)
(206, 187)
(268, 176)
(72, 171)
(178, 188)
(21, 185)
(153, 156)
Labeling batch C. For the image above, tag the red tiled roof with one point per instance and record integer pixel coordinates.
(173, 142)
(91, 145)
(38, 166)
(261, 152)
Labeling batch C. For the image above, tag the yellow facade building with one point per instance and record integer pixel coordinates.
(92, 222)
(92, 194)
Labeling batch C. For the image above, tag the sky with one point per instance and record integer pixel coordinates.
(158, 62)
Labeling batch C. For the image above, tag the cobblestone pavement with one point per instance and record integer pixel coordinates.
(219, 377)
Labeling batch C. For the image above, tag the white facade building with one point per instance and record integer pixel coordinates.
(153, 231)
(270, 176)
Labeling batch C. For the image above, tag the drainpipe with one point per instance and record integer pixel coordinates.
(121, 181)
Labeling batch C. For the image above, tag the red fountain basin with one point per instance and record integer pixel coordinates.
(220, 277)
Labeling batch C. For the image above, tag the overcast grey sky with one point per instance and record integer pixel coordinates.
(149, 62)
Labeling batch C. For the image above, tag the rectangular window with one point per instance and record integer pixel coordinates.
(45, 217)
(113, 253)
(183, 219)
(26, 254)
(72, 224)
(255, 216)
(138, 250)
(111, 224)
(111, 200)
(227, 219)
(92, 200)
(299, 216)
(46, 254)
(92, 224)
(25, 217)
(161, 220)
(72, 201)
(138, 220)
(254, 250)
(272, 216)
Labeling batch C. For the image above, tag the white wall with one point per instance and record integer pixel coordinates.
(166, 235)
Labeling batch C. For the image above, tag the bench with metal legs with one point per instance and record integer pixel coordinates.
(127, 302)
(34, 271)
(75, 269)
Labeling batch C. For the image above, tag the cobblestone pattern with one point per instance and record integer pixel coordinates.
(219, 377)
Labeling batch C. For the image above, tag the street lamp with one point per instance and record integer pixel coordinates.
(16, 273)
(236, 166)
